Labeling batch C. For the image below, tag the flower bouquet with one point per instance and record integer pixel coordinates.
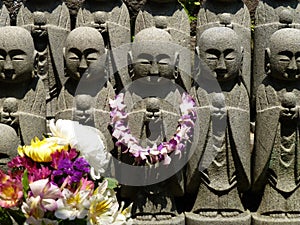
(59, 180)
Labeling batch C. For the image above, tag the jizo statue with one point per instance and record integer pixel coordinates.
(86, 92)
(152, 102)
(233, 14)
(112, 20)
(22, 95)
(270, 16)
(276, 167)
(219, 171)
(49, 24)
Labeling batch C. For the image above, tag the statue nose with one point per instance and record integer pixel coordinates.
(154, 68)
(8, 64)
(293, 64)
(83, 64)
(221, 64)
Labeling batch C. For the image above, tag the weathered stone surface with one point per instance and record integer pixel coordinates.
(276, 167)
(112, 20)
(86, 92)
(153, 101)
(270, 16)
(22, 95)
(49, 24)
(4, 15)
(233, 14)
(219, 170)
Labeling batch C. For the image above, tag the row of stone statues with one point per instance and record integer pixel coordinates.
(48, 71)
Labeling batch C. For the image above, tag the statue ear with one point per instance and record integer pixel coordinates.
(197, 50)
(35, 61)
(176, 65)
(267, 60)
(130, 64)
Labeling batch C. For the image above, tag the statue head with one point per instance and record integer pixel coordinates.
(153, 54)
(221, 49)
(84, 47)
(283, 55)
(17, 55)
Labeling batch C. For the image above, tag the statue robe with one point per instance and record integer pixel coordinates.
(57, 28)
(219, 169)
(31, 108)
(276, 156)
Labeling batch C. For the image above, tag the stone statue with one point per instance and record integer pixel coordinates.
(152, 102)
(170, 16)
(22, 95)
(49, 24)
(270, 16)
(219, 171)
(86, 92)
(111, 19)
(4, 15)
(233, 14)
(276, 166)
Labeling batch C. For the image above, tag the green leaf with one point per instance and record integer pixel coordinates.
(112, 183)
(4, 217)
(196, 3)
(25, 183)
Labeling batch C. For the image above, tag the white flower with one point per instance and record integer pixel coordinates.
(73, 205)
(88, 140)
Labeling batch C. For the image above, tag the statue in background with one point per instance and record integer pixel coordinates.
(49, 24)
(219, 171)
(233, 14)
(276, 166)
(112, 20)
(270, 16)
(4, 15)
(86, 92)
(22, 94)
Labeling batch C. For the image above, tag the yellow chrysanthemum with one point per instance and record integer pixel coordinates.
(41, 150)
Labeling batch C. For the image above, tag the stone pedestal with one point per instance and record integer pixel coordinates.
(178, 220)
(258, 219)
(195, 219)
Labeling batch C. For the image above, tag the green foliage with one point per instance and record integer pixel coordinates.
(25, 183)
(4, 217)
(112, 183)
(191, 7)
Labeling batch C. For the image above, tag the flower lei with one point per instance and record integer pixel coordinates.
(156, 153)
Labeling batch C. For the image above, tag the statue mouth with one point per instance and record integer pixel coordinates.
(9, 75)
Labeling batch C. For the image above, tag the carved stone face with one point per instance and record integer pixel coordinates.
(16, 55)
(285, 55)
(152, 56)
(84, 46)
(221, 50)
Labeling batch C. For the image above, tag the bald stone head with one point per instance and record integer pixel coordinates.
(154, 54)
(16, 55)
(84, 46)
(221, 50)
(284, 54)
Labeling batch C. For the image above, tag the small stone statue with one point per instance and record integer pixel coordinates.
(4, 15)
(85, 94)
(22, 95)
(276, 165)
(152, 102)
(111, 19)
(270, 16)
(49, 24)
(219, 171)
(233, 14)
(168, 15)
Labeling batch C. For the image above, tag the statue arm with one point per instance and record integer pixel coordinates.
(267, 119)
